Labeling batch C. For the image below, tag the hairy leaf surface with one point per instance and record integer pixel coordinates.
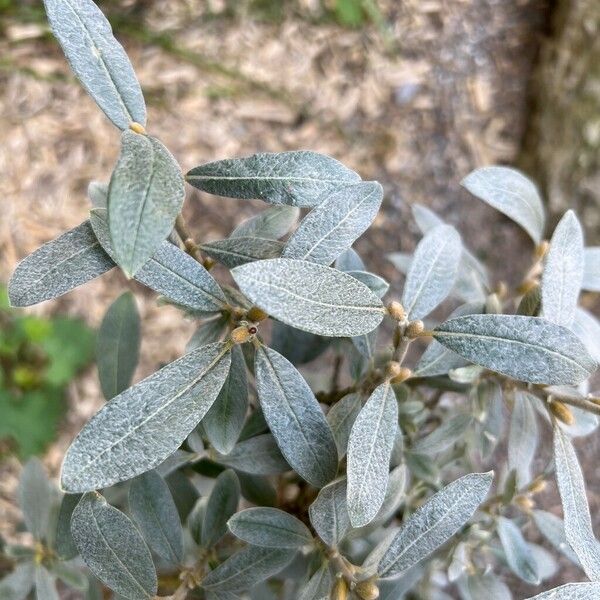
(591, 270)
(259, 455)
(518, 553)
(222, 503)
(571, 591)
(272, 223)
(522, 437)
(329, 513)
(236, 251)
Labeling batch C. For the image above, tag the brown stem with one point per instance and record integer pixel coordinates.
(188, 241)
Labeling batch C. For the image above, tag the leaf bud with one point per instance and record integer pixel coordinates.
(562, 412)
(242, 334)
(137, 128)
(414, 329)
(396, 311)
(525, 503)
(537, 486)
(404, 374)
(542, 249)
(340, 589)
(367, 590)
(256, 315)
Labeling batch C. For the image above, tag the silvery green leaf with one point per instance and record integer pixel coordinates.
(522, 437)
(486, 586)
(295, 418)
(17, 584)
(246, 568)
(98, 194)
(349, 260)
(57, 267)
(195, 519)
(153, 509)
(425, 218)
(329, 513)
(97, 59)
(299, 347)
(257, 455)
(236, 251)
(311, 297)
(35, 498)
(577, 520)
(225, 418)
(341, 417)
(438, 360)
(257, 490)
(517, 551)
(571, 591)
(45, 585)
(272, 223)
(366, 344)
(128, 436)
(145, 195)
(269, 527)
(432, 271)
(175, 461)
(591, 270)
(563, 271)
(525, 348)
(222, 503)
(443, 436)
(553, 529)
(118, 345)
(335, 224)
(170, 272)
(112, 548)
(70, 575)
(376, 284)
(369, 451)
(435, 522)
(513, 194)
(223, 596)
(546, 563)
(208, 332)
(300, 178)
(587, 328)
(318, 585)
(64, 546)
(400, 260)
(468, 374)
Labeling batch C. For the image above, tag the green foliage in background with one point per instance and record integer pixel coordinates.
(226, 475)
(39, 357)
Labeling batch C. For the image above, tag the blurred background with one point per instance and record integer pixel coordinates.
(413, 93)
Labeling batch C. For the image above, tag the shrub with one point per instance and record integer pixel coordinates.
(361, 491)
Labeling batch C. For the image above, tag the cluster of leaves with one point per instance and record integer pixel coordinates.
(357, 491)
(38, 358)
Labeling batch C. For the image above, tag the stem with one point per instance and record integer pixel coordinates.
(188, 241)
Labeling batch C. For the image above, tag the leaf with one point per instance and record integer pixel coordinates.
(258, 455)
(70, 575)
(112, 548)
(432, 271)
(341, 417)
(269, 527)
(236, 251)
(295, 418)
(300, 178)
(128, 436)
(153, 509)
(35, 498)
(525, 348)
(571, 591)
(517, 551)
(329, 513)
(587, 328)
(98, 194)
(311, 297)
(222, 503)
(349, 260)
(57, 267)
(434, 523)
(522, 437)
(45, 586)
(170, 272)
(369, 451)
(64, 544)
(246, 568)
(577, 520)
(272, 223)
(563, 271)
(208, 332)
(118, 345)
(486, 586)
(553, 529)
(97, 59)
(18, 584)
(511, 193)
(299, 347)
(144, 196)
(334, 225)
(376, 284)
(225, 418)
(591, 270)
(318, 586)
(443, 436)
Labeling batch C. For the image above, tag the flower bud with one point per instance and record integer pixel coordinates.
(256, 315)
(242, 334)
(339, 590)
(137, 128)
(396, 311)
(367, 590)
(525, 503)
(542, 249)
(537, 486)
(404, 374)
(562, 412)
(393, 369)
(414, 329)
